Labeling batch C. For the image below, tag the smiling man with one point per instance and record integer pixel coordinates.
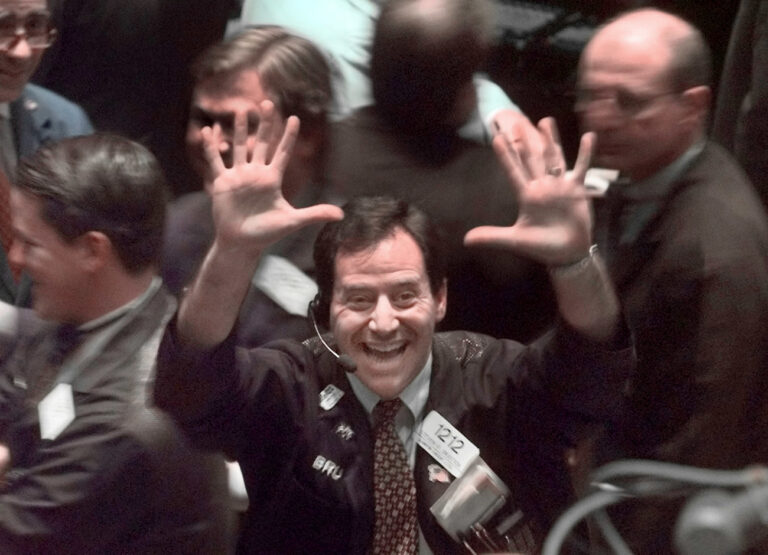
(339, 438)
(86, 466)
(30, 116)
(384, 311)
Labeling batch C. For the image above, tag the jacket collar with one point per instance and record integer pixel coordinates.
(32, 122)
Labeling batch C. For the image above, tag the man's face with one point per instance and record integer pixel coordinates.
(626, 99)
(214, 104)
(59, 283)
(19, 62)
(383, 313)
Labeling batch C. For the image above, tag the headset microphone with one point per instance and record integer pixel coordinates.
(345, 361)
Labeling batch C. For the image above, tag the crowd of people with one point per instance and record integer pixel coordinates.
(390, 301)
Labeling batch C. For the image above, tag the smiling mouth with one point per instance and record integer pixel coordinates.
(384, 352)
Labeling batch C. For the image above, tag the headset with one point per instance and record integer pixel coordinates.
(345, 361)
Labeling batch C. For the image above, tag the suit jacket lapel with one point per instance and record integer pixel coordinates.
(32, 123)
(628, 260)
(8, 286)
(111, 362)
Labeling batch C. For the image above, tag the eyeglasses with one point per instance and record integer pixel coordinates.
(36, 28)
(626, 102)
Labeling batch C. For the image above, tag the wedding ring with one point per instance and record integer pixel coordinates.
(555, 171)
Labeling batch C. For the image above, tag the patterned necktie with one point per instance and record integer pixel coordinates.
(7, 168)
(6, 227)
(395, 529)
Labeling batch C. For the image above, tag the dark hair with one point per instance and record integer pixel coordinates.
(423, 55)
(294, 73)
(368, 221)
(105, 183)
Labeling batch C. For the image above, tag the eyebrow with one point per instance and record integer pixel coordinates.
(364, 286)
(23, 13)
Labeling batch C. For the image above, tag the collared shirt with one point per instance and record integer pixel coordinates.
(96, 333)
(414, 398)
(407, 421)
(645, 198)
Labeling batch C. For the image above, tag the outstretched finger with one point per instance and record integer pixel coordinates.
(522, 240)
(318, 213)
(554, 161)
(211, 142)
(526, 141)
(487, 235)
(287, 141)
(586, 148)
(264, 133)
(510, 160)
(537, 243)
(240, 139)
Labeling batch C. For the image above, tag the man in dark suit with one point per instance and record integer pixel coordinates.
(323, 473)
(30, 116)
(89, 466)
(686, 242)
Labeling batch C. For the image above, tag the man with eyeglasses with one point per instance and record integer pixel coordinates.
(687, 245)
(30, 116)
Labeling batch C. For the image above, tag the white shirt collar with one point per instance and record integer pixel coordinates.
(414, 396)
(5, 110)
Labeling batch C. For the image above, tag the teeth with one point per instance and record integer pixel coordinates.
(384, 349)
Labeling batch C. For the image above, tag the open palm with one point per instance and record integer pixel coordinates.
(554, 220)
(249, 208)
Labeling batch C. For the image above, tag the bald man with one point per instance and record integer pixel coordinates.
(687, 246)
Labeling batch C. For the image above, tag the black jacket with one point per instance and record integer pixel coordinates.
(520, 405)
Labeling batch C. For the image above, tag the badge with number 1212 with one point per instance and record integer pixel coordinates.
(446, 444)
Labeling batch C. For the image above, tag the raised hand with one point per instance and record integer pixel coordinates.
(249, 209)
(554, 225)
(250, 213)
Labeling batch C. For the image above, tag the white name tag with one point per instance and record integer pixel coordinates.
(285, 284)
(446, 444)
(56, 411)
(330, 396)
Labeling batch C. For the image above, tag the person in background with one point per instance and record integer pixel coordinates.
(235, 75)
(686, 242)
(89, 466)
(407, 145)
(30, 116)
(344, 29)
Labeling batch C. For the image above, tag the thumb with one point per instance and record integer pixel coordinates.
(489, 235)
(317, 214)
